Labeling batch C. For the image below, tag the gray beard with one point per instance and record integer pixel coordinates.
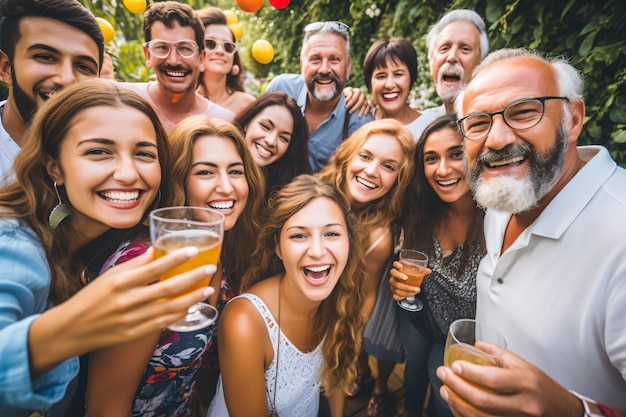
(514, 195)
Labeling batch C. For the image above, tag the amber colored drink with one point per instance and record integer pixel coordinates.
(465, 352)
(209, 247)
(414, 273)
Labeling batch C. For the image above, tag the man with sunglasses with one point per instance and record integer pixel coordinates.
(554, 278)
(325, 63)
(174, 49)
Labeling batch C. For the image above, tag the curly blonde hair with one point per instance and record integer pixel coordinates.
(339, 321)
(386, 209)
(238, 246)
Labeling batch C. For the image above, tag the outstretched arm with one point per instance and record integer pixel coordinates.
(117, 307)
(516, 388)
(356, 100)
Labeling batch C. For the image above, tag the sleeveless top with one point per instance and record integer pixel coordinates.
(298, 385)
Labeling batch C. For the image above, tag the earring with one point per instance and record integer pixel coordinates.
(234, 70)
(59, 212)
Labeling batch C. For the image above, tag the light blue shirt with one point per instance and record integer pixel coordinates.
(329, 134)
(24, 287)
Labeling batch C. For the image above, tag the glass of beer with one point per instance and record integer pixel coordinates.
(467, 337)
(414, 264)
(173, 228)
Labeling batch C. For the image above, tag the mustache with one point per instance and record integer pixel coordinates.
(166, 67)
(509, 151)
(49, 88)
(325, 77)
(454, 69)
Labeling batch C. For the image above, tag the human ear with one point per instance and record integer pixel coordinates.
(5, 68)
(54, 169)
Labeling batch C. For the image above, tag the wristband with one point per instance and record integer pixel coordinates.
(606, 411)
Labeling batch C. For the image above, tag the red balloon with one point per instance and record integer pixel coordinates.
(280, 4)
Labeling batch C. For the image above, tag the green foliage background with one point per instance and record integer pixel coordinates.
(591, 33)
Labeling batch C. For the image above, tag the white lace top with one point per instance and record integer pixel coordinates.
(298, 385)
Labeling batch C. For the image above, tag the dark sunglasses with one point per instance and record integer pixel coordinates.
(228, 47)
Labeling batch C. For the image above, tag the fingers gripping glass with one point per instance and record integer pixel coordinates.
(333, 25)
(162, 49)
(519, 115)
(228, 47)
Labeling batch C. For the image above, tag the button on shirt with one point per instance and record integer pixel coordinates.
(558, 293)
(329, 134)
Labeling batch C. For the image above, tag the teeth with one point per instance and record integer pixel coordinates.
(503, 162)
(120, 196)
(222, 205)
(318, 268)
(324, 81)
(450, 182)
(365, 183)
(262, 150)
(390, 96)
(175, 73)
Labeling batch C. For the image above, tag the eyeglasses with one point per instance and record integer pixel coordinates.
(520, 115)
(333, 25)
(229, 47)
(162, 49)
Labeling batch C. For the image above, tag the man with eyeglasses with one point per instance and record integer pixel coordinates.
(174, 49)
(44, 47)
(325, 63)
(554, 278)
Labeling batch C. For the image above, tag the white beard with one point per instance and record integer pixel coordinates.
(506, 193)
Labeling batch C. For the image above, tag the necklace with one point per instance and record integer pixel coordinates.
(274, 412)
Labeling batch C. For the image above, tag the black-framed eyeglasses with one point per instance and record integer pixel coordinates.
(519, 115)
(228, 47)
(333, 25)
(161, 49)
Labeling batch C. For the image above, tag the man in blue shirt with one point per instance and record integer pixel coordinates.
(326, 63)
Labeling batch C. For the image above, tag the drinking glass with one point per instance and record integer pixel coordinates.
(173, 228)
(414, 264)
(464, 334)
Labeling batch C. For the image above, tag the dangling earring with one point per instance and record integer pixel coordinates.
(59, 212)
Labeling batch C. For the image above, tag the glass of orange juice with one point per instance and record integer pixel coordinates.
(414, 264)
(468, 339)
(173, 228)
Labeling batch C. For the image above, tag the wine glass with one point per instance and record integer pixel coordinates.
(172, 228)
(464, 334)
(414, 264)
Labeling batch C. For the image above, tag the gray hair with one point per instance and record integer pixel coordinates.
(569, 79)
(326, 29)
(463, 15)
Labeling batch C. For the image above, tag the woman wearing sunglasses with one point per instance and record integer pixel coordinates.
(222, 81)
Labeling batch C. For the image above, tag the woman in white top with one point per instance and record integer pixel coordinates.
(297, 326)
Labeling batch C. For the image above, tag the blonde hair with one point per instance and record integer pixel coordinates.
(338, 320)
(386, 209)
(32, 196)
(237, 246)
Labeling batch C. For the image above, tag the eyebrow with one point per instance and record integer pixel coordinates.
(451, 148)
(213, 164)
(104, 141)
(325, 226)
(56, 51)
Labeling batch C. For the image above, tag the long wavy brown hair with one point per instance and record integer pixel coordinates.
(238, 242)
(339, 321)
(386, 209)
(31, 197)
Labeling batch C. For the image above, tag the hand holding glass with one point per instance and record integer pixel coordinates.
(173, 228)
(414, 264)
(462, 337)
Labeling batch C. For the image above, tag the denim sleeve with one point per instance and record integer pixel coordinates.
(24, 286)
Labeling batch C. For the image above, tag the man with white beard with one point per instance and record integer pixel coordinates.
(319, 90)
(554, 277)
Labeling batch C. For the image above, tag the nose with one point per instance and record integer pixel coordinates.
(452, 55)
(370, 169)
(67, 73)
(173, 58)
(389, 83)
(224, 186)
(500, 134)
(316, 247)
(270, 138)
(443, 168)
(324, 67)
(126, 171)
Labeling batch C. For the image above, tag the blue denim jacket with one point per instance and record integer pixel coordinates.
(329, 134)
(24, 287)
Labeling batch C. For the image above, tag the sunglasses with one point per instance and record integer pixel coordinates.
(333, 25)
(228, 47)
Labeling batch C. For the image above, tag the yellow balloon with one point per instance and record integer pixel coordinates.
(135, 6)
(107, 29)
(262, 51)
(231, 17)
(237, 30)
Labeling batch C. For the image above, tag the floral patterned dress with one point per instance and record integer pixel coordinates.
(167, 385)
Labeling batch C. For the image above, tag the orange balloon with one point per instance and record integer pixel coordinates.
(250, 6)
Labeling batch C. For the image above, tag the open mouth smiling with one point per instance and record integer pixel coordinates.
(366, 183)
(264, 152)
(222, 205)
(120, 197)
(449, 183)
(317, 272)
(516, 160)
